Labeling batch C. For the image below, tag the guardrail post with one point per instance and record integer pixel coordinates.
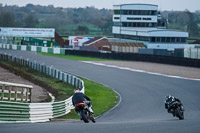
(58, 74)
(78, 83)
(22, 90)
(72, 80)
(75, 82)
(54, 75)
(9, 98)
(15, 60)
(27, 62)
(2, 92)
(15, 94)
(30, 93)
(20, 60)
(63, 76)
(48, 71)
(67, 78)
(27, 94)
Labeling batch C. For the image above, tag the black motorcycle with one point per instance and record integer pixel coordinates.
(176, 108)
(84, 112)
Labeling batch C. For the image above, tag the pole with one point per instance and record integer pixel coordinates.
(51, 43)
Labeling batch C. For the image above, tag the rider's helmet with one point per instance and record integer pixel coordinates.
(169, 98)
(77, 91)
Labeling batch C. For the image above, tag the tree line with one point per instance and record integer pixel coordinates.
(88, 20)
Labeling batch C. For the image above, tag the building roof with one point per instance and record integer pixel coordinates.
(153, 32)
(135, 4)
(91, 41)
(152, 29)
(127, 44)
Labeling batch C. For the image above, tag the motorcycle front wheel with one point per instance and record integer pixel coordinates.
(179, 114)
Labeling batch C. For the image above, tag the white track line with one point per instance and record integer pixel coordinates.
(142, 71)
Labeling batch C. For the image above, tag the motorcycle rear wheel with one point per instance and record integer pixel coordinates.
(84, 117)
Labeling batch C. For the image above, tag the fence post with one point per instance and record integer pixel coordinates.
(27, 90)
(2, 92)
(22, 94)
(63, 77)
(9, 97)
(16, 94)
(78, 83)
(30, 91)
(75, 81)
(27, 63)
(20, 60)
(67, 78)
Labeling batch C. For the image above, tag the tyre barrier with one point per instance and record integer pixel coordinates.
(11, 112)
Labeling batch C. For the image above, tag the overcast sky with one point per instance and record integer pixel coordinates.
(180, 5)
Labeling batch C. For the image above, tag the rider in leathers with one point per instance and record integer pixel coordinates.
(170, 99)
(80, 97)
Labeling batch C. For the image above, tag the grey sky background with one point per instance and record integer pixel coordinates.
(176, 5)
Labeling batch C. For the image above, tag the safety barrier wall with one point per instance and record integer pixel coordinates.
(33, 48)
(138, 57)
(37, 112)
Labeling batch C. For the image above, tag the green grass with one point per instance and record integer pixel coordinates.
(73, 57)
(103, 97)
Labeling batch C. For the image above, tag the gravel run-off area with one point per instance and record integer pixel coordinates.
(39, 94)
(188, 72)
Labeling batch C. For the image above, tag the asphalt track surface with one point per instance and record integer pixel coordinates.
(141, 107)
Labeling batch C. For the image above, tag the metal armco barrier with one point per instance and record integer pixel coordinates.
(11, 112)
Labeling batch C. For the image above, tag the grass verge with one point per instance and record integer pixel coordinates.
(73, 57)
(103, 98)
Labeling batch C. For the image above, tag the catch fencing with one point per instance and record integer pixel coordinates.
(37, 112)
(192, 53)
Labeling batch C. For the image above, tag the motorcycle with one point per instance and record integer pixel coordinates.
(84, 112)
(176, 109)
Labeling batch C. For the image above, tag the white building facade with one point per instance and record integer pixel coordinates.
(142, 23)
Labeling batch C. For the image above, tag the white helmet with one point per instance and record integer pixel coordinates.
(77, 91)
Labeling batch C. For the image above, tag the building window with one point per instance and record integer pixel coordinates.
(162, 39)
(183, 40)
(117, 23)
(133, 18)
(130, 12)
(167, 39)
(129, 24)
(178, 39)
(153, 39)
(158, 39)
(116, 11)
(135, 24)
(116, 17)
(173, 39)
(136, 12)
(124, 24)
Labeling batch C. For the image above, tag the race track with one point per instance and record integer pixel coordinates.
(141, 107)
